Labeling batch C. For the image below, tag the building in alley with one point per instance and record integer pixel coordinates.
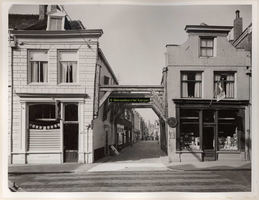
(55, 69)
(208, 93)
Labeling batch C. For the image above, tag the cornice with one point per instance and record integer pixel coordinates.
(57, 34)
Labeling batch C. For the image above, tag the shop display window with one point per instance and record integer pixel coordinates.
(189, 136)
(42, 117)
(228, 131)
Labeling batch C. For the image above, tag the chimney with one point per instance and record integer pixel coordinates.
(42, 12)
(53, 7)
(238, 25)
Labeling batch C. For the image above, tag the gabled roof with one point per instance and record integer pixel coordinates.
(32, 22)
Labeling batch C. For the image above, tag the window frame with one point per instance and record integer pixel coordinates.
(190, 81)
(206, 47)
(51, 17)
(225, 73)
(59, 66)
(29, 68)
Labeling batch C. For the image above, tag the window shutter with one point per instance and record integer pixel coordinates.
(44, 140)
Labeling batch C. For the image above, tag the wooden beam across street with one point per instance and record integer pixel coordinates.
(125, 88)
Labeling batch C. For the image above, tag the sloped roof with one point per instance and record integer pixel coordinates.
(32, 22)
(20, 22)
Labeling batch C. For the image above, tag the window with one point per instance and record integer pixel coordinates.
(38, 66)
(68, 70)
(206, 47)
(55, 24)
(189, 127)
(191, 84)
(229, 129)
(44, 130)
(226, 81)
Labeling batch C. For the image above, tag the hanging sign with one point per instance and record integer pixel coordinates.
(172, 122)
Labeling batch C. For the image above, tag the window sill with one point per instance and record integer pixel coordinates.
(190, 151)
(203, 57)
(74, 84)
(37, 84)
(229, 151)
(43, 152)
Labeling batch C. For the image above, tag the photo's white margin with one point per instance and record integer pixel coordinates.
(4, 101)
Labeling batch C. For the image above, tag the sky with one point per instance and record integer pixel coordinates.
(135, 36)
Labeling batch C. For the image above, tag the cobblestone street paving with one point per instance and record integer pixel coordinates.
(139, 169)
(125, 181)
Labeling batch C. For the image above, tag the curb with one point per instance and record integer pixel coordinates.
(52, 172)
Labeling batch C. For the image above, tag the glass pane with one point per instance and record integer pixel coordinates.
(189, 137)
(191, 76)
(42, 117)
(203, 52)
(203, 43)
(208, 116)
(191, 89)
(71, 112)
(228, 137)
(209, 52)
(189, 113)
(210, 43)
(68, 55)
(38, 56)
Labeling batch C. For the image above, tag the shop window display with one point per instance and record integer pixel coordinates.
(42, 117)
(228, 131)
(189, 137)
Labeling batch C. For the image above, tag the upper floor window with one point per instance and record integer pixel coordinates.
(191, 84)
(55, 23)
(38, 66)
(56, 20)
(206, 47)
(226, 82)
(68, 69)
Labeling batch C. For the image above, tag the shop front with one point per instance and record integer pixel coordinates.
(211, 132)
(50, 131)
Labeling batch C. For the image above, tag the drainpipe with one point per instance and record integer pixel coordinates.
(11, 100)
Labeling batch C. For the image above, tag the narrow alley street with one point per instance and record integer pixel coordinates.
(138, 169)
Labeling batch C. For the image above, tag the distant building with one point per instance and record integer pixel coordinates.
(208, 93)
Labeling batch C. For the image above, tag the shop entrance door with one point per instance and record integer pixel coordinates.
(209, 148)
(70, 142)
(70, 130)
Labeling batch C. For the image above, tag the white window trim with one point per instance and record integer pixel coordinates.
(29, 81)
(214, 46)
(58, 70)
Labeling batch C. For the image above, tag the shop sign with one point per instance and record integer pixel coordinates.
(172, 122)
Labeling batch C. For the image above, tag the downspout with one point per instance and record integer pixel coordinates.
(11, 100)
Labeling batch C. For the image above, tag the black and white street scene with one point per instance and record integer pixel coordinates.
(130, 99)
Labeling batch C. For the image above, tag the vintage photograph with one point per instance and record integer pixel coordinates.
(130, 98)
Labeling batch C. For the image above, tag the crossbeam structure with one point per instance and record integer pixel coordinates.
(154, 93)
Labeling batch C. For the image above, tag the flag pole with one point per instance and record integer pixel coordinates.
(214, 93)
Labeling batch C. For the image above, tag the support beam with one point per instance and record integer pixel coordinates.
(157, 101)
(130, 88)
(133, 95)
(105, 96)
(96, 90)
(159, 113)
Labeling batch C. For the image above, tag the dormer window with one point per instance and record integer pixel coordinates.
(56, 20)
(55, 23)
